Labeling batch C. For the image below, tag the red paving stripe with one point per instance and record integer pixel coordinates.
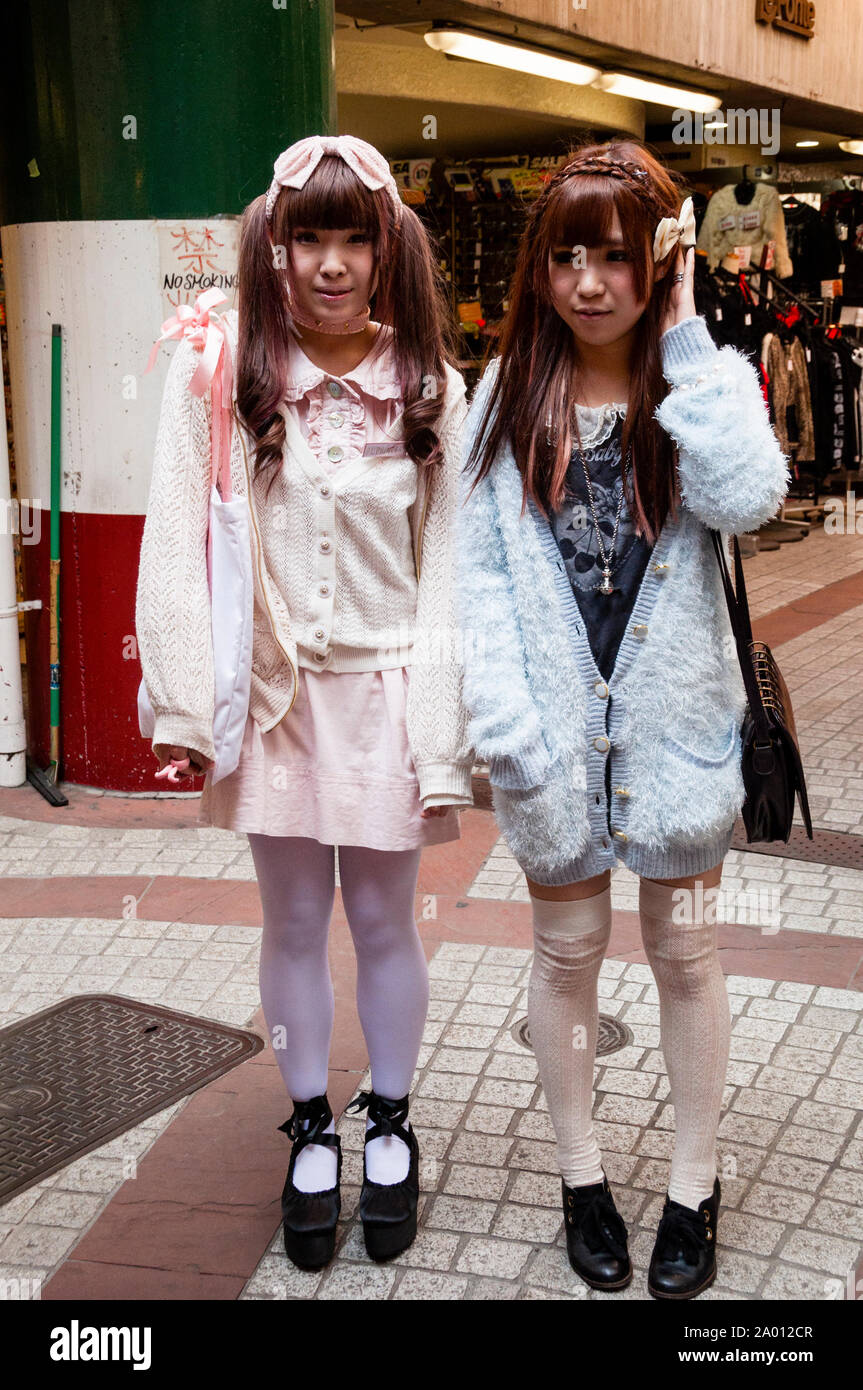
(803, 614)
(807, 957)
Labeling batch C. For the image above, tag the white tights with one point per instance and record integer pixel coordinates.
(296, 878)
(570, 941)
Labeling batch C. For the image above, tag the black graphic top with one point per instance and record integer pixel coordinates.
(605, 615)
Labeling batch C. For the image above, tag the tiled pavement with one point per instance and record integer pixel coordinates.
(108, 896)
(790, 1148)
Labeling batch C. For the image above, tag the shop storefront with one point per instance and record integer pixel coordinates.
(778, 200)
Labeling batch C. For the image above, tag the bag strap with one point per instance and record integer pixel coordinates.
(221, 401)
(741, 626)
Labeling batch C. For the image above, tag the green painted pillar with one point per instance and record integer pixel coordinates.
(131, 131)
(156, 108)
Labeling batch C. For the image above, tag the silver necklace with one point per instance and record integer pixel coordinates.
(605, 586)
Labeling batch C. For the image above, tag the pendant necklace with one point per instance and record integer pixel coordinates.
(605, 586)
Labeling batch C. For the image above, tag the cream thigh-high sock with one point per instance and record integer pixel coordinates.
(570, 941)
(694, 1030)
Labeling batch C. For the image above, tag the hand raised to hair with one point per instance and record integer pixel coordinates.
(681, 303)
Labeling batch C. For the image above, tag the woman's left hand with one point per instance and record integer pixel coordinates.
(681, 303)
(433, 811)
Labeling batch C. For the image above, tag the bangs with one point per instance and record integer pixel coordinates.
(583, 212)
(332, 198)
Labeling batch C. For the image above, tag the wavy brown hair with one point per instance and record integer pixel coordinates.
(409, 295)
(538, 376)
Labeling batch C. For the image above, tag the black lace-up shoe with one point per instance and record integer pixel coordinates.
(388, 1211)
(309, 1218)
(683, 1262)
(596, 1236)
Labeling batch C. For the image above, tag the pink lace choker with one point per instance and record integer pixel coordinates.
(356, 324)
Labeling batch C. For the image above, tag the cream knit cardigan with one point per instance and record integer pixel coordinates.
(172, 612)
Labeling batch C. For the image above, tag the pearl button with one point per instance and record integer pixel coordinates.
(601, 689)
(319, 656)
(601, 744)
(336, 418)
(325, 544)
(325, 492)
(319, 633)
(640, 631)
(334, 388)
(335, 453)
(324, 589)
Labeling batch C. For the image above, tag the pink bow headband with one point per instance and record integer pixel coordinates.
(298, 162)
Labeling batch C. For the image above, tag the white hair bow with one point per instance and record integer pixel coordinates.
(672, 230)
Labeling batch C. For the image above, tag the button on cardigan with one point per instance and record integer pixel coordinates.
(343, 514)
(669, 717)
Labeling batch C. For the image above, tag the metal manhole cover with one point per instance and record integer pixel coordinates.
(611, 1036)
(81, 1072)
(841, 850)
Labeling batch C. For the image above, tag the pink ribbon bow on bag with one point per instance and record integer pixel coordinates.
(214, 372)
(298, 162)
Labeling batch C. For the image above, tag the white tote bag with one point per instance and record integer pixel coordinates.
(231, 584)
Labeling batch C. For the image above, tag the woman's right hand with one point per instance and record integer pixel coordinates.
(183, 762)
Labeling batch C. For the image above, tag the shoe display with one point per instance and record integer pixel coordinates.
(388, 1211)
(309, 1218)
(596, 1236)
(683, 1262)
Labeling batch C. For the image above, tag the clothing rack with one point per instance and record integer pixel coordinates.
(806, 304)
(786, 512)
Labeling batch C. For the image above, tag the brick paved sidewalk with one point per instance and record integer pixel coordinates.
(124, 895)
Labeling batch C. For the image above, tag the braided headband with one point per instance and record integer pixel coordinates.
(298, 162)
(669, 230)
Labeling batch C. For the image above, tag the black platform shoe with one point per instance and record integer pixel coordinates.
(388, 1211)
(683, 1262)
(596, 1236)
(309, 1218)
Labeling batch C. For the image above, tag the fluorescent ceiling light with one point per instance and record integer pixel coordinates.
(805, 144)
(851, 146)
(623, 85)
(461, 43)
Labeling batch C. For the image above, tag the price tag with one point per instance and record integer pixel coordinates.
(790, 365)
(747, 318)
(718, 314)
(808, 354)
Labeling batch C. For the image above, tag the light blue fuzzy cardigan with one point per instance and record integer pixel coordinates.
(669, 718)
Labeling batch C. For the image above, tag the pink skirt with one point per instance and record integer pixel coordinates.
(337, 769)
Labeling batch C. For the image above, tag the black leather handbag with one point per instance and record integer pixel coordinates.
(771, 765)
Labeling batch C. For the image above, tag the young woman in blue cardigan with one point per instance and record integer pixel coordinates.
(601, 677)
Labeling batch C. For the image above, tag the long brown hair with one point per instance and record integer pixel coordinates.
(409, 296)
(538, 352)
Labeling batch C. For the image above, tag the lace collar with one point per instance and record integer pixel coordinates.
(596, 422)
(376, 374)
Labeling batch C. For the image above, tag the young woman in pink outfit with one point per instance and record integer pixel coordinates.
(346, 441)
